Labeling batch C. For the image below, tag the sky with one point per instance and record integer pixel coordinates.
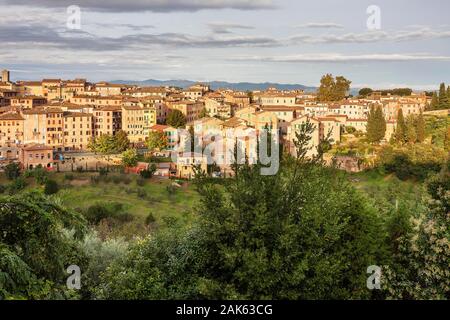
(285, 41)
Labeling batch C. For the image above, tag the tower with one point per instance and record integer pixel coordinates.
(5, 76)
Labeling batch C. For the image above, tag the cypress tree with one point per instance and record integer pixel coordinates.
(443, 99)
(420, 125)
(448, 97)
(400, 131)
(380, 124)
(434, 102)
(411, 135)
(371, 125)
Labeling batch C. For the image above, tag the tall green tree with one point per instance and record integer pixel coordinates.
(332, 89)
(380, 123)
(400, 130)
(176, 119)
(376, 125)
(157, 140)
(371, 125)
(121, 141)
(434, 105)
(420, 127)
(448, 97)
(411, 135)
(443, 99)
(130, 158)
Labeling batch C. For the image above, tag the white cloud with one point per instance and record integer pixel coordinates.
(226, 27)
(149, 5)
(343, 58)
(321, 25)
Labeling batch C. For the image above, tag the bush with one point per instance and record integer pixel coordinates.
(97, 212)
(40, 174)
(126, 179)
(12, 171)
(2, 188)
(148, 173)
(100, 211)
(141, 193)
(95, 180)
(150, 219)
(116, 179)
(103, 171)
(68, 176)
(51, 187)
(140, 182)
(17, 185)
(350, 129)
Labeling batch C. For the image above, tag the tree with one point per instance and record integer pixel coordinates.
(121, 141)
(303, 233)
(400, 131)
(420, 127)
(376, 125)
(176, 119)
(364, 92)
(448, 97)
(434, 102)
(332, 89)
(422, 253)
(148, 173)
(12, 170)
(157, 140)
(341, 88)
(411, 135)
(130, 158)
(107, 144)
(204, 113)
(380, 123)
(443, 99)
(34, 248)
(104, 144)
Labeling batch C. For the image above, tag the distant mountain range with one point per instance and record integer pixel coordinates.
(240, 86)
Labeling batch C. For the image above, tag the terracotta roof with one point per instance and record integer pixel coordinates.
(11, 116)
(37, 147)
(159, 127)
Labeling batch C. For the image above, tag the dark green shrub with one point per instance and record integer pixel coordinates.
(40, 174)
(12, 171)
(141, 193)
(68, 176)
(140, 181)
(51, 187)
(103, 171)
(17, 185)
(150, 219)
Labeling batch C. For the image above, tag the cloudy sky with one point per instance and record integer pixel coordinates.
(283, 41)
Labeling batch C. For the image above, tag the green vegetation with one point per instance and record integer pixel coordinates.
(176, 119)
(307, 232)
(156, 141)
(108, 144)
(333, 89)
(440, 100)
(129, 158)
(376, 125)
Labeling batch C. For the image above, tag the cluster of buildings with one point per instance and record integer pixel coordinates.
(55, 115)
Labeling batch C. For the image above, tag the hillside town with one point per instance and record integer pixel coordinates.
(42, 122)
